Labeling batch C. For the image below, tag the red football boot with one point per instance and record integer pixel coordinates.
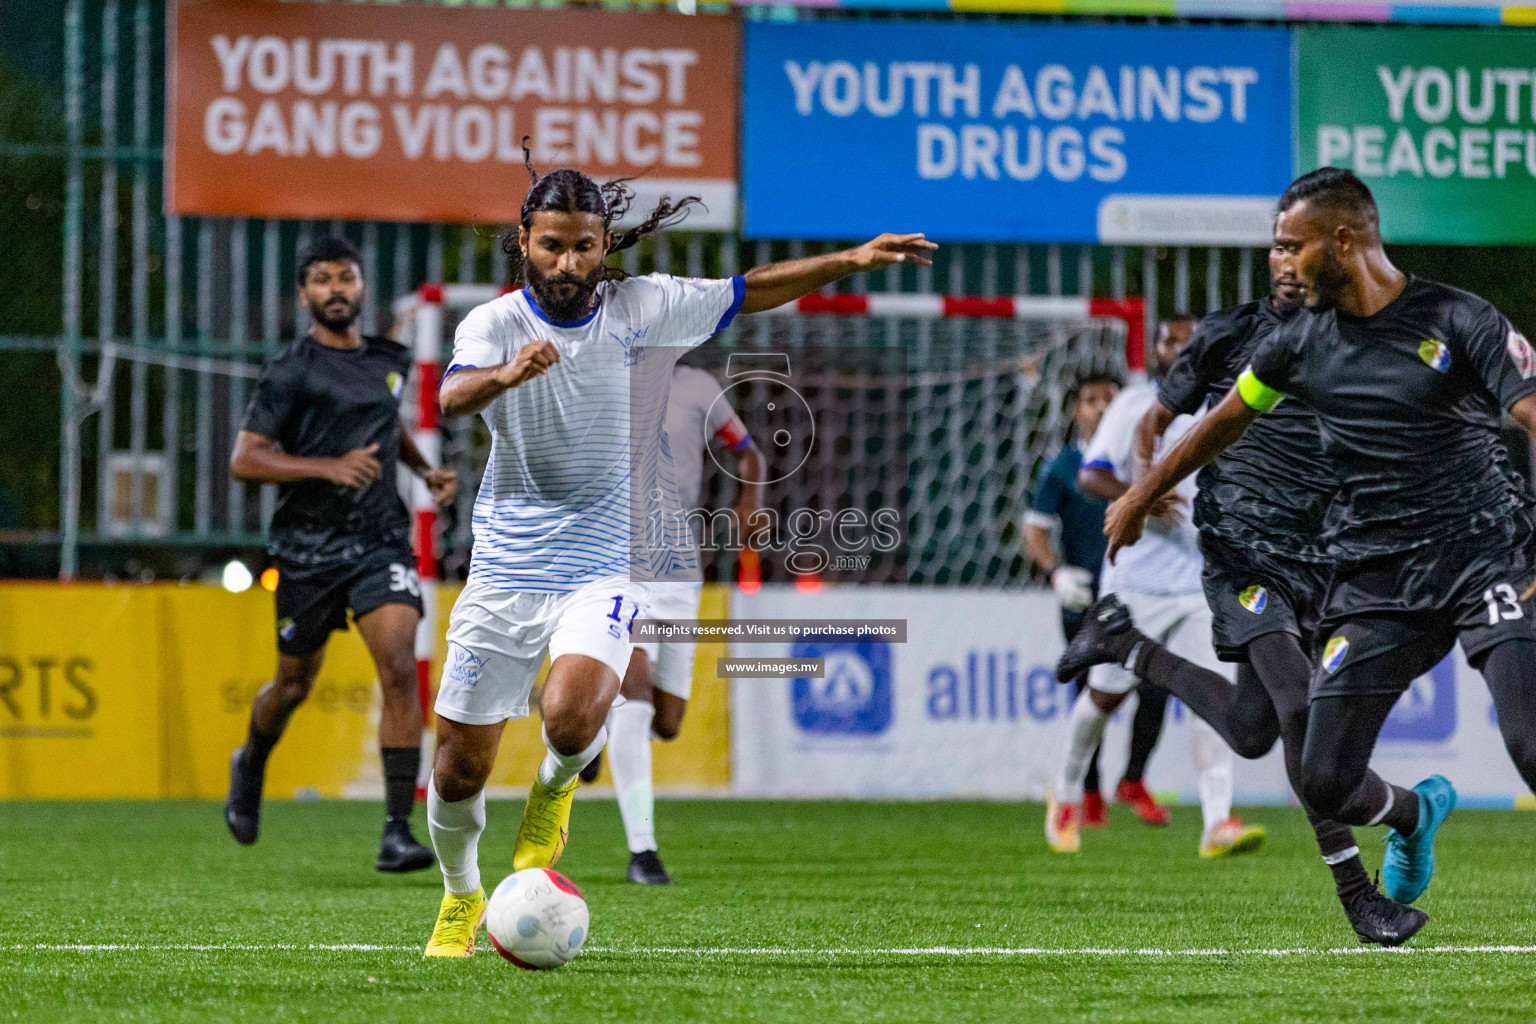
(1135, 794)
(1093, 811)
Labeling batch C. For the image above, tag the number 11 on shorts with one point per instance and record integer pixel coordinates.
(617, 615)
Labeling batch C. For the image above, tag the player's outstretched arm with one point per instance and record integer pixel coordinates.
(774, 284)
(1226, 423)
(256, 460)
(469, 389)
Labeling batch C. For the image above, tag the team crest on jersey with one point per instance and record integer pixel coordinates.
(1254, 598)
(1520, 352)
(1333, 654)
(394, 382)
(1435, 355)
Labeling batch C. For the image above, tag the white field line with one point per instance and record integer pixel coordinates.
(915, 951)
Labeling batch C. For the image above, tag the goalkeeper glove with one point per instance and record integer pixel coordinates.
(1073, 586)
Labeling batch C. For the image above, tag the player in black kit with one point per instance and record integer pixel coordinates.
(1261, 509)
(324, 424)
(1433, 536)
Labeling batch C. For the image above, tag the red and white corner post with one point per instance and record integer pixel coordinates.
(428, 342)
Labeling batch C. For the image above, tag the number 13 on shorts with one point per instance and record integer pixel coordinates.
(1503, 603)
(622, 616)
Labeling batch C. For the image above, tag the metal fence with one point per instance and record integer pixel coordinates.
(165, 319)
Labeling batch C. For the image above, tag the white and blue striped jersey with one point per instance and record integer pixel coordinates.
(1163, 562)
(578, 471)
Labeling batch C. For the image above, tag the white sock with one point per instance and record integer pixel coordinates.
(629, 759)
(1084, 731)
(1213, 762)
(559, 769)
(455, 830)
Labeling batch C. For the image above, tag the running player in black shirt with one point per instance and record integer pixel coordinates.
(324, 424)
(1261, 509)
(1433, 536)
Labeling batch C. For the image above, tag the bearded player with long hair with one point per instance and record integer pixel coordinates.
(571, 374)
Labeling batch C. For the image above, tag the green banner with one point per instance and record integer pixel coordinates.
(1441, 124)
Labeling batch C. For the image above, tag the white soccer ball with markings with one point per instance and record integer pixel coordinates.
(537, 919)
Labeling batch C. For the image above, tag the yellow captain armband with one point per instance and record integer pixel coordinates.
(1256, 393)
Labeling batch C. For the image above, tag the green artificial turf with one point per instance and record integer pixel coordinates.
(810, 882)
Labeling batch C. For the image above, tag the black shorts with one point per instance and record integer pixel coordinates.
(1252, 594)
(1421, 602)
(313, 601)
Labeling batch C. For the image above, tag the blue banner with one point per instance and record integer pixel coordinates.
(1015, 132)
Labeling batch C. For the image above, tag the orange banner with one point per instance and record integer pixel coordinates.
(308, 110)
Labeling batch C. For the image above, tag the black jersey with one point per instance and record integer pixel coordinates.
(1409, 400)
(322, 402)
(1270, 491)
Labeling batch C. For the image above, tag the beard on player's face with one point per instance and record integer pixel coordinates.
(1329, 282)
(1287, 294)
(338, 313)
(563, 296)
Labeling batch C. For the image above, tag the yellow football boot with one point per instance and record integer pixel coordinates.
(1061, 825)
(1230, 838)
(546, 826)
(457, 921)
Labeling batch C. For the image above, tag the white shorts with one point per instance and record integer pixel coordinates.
(672, 662)
(497, 640)
(1182, 624)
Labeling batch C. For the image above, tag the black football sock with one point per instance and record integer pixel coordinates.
(258, 745)
(1091, 780)
(1336, 842)
(1123, 646)
(1146, 727)
(1403, 814)
(402, 765)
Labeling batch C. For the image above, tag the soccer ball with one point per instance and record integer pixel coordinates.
(537, 919)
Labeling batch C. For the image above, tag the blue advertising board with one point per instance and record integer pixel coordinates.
(1015, 132)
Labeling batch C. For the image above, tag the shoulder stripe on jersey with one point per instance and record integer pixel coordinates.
(738, 296)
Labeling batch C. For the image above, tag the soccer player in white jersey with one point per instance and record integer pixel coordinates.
(1159, 577)
(571, 375)
(660, 678)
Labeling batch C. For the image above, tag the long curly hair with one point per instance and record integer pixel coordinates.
(569, 191)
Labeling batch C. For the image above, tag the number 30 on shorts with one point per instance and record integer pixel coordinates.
(402, 577)
(1503, 603)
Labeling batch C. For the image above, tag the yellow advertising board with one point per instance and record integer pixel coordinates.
(137, 691)
(80, 693)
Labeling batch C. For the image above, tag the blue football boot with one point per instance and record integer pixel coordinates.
(1410, 859)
